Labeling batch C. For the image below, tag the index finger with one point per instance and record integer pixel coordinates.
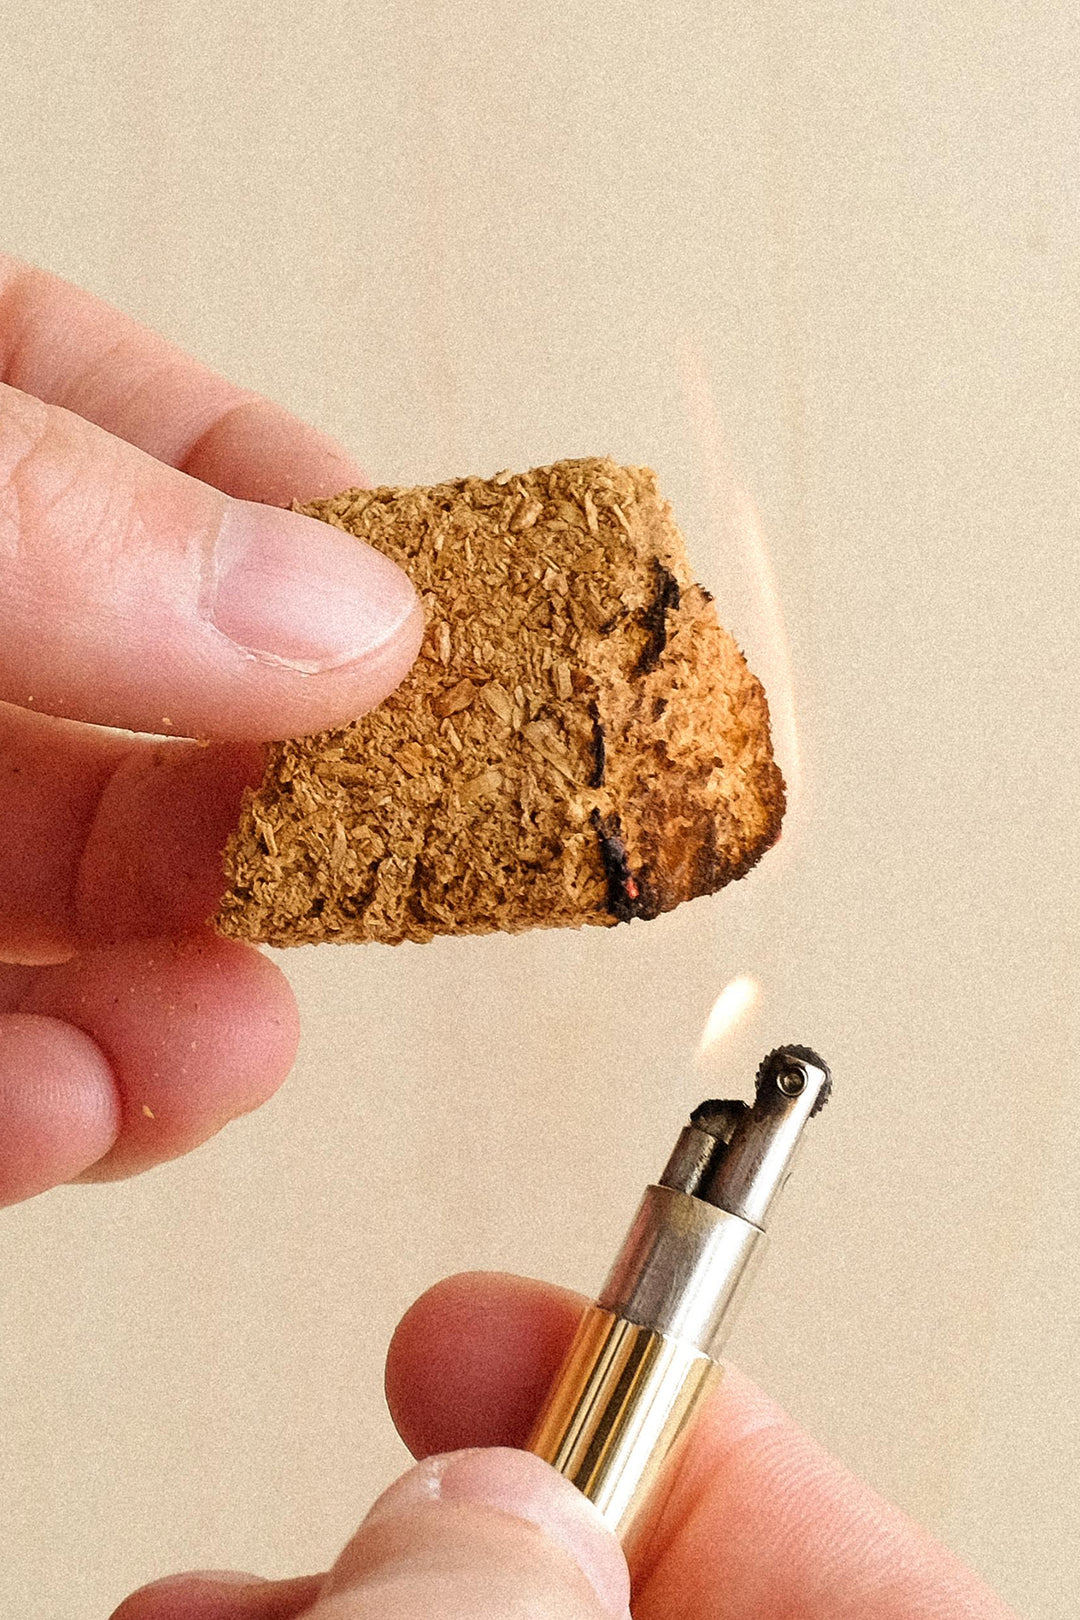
(762, 1523)
(68, 348)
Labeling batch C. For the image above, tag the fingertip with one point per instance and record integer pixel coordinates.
(303, 593)
(205, 615)
(151, 863)
(258, 451)
(197, 1031)
(59, 1104)
(333, 698)
(472, 1516)
(220, 1595)
(470, 1361)
(313, 627)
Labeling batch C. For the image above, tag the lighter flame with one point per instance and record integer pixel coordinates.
(734, 1001)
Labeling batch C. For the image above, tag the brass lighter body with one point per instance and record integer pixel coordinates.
(626, 1396)
(646, 1354)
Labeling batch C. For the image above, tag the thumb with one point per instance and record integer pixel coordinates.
(479, 1535)
(133, 595)
(471, 1535)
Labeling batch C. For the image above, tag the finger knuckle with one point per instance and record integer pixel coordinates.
(51, 507)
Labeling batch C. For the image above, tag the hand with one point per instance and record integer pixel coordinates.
(762, 1524)
(140, 588)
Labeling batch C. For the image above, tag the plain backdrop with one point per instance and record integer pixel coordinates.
(817, 264)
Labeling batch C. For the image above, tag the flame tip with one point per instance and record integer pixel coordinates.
(734, 1001)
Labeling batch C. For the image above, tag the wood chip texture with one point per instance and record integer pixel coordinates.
(578, 742)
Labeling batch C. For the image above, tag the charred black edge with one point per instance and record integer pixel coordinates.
(599, 748)
(654, 619)
(771, 1065)
(623, 905)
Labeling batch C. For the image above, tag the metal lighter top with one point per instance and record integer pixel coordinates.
(645, 1355)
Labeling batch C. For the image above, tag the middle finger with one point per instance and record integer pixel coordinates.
(106, 837)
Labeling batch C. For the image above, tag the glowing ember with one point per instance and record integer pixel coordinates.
(735, 999)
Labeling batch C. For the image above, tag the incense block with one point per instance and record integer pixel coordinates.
(579, 741)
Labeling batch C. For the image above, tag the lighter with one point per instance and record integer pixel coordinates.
(645, 1354)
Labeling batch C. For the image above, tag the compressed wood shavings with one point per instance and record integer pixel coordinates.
(578, 742)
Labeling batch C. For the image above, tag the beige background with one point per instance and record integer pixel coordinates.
(828, 251)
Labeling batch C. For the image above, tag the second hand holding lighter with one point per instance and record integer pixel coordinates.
(646, 1353)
